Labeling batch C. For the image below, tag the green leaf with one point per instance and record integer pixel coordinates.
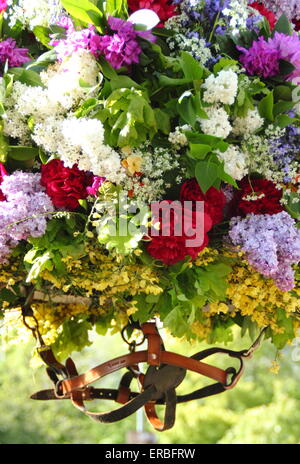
(206, 173)
(3, 149)
(224, 63)
(283, 92)
(265, 107)
(84, 11)
(283, 120)
(22, 153)
(199, 151)
(39, 264)
(116, 8)
(286, 323)
(191, 68)
(282, 107)
(283, 25)
(26, 76)
(42, 34)
(162, 121)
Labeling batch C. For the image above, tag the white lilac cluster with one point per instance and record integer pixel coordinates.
(79, 141)
(32, 13)
(236, 162)
(248, 124)
(217, 123)
(237, 14)
(60, 93)
(221, 88)
(192, 44)
(178, 137)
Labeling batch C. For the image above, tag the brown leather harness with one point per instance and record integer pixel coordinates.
(157, 386)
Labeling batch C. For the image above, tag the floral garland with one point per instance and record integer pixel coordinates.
(149, 166)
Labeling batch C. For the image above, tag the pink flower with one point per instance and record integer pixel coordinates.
(97, 182)
(3, 5)
(288, 47)
(15, 56)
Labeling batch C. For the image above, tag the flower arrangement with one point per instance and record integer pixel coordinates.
(149, 167)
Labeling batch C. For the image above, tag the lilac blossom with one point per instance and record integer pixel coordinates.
(289, 50)
(291, 8)
(271, 244)
(285, 150)
(13, 55)
(23, 214)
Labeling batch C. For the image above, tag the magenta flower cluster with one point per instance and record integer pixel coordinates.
(263, 57)
(121, 48)
(13, 55)
(24, 212)
(75, 40)
(271, 244)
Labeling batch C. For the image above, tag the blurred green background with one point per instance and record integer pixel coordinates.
(263, 409)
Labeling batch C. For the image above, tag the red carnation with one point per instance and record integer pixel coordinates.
(163, 8)
(214, 200)
(170, 243)
(3, 173)
(268, 197)
(269, 15)
(65, 186)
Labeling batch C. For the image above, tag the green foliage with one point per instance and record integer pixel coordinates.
(73, 336)
(85, 12)
(128, 117)
(58, 242)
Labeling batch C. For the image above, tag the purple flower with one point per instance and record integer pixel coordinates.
(271, 244)
(288, 47)
(97, 182)
(261, 59)
(24, 212)
(74, 40)
(122, 47)
(15, 56)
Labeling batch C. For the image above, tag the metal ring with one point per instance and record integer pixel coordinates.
(134, 343)
(56, 390)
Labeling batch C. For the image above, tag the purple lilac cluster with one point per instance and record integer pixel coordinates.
(263, 57)
(203, 12)
(23, 214)
(271, 244)
(12, 54)
(121, 48)
(291, 8)
(285, 150)
(74, 40)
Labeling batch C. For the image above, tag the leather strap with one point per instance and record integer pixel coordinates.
(69, 385)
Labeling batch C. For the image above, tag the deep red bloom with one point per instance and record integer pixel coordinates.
(163, 8)
(297, 24)
(269, 15)
(214, 200)
(65, 186)
(177, 228)
(268, 201)
(3, 173)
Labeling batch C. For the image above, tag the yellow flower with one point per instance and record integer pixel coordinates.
(133, 164)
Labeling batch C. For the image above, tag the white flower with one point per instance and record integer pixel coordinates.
(218, 123)
(63, 83)
(178, 138)
(249, 124)
(235, 162)
(222, 88)
(33, 13)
